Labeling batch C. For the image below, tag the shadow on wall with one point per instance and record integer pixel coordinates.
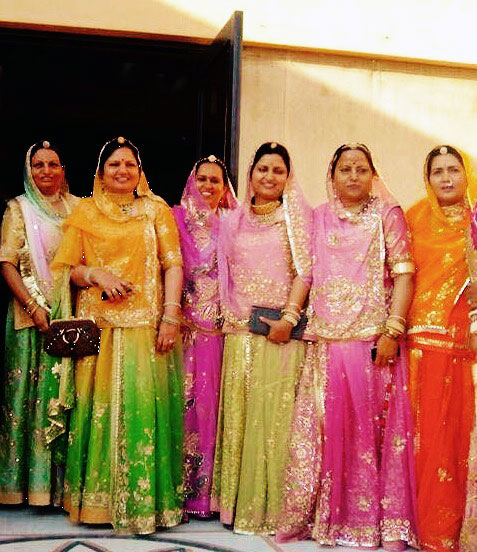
(315, 102)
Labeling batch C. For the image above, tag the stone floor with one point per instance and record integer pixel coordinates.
(25, 529)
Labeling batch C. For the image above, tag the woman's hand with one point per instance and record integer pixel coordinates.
(166, 337)
(115, 288)
(386, 352)
(41, 319)
(280, 330)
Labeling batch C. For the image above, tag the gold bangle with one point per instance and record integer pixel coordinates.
(291, 311)
(172, 304)
(387, 333)
(292, 320)
(395, 325)
(30, 301)
(32, 311)
(170, 320)
(397, 317)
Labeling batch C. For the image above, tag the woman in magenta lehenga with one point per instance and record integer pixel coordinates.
(207, 197)
(351, 479)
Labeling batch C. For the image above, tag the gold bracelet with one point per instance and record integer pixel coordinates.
(293, 313)
(397, 317)
(30, 301)
(172, 304)
(291, 319)
(170, 320)
(391, 335)
(395, 325)
(32, 311)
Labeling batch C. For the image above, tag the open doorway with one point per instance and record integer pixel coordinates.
(177, 100)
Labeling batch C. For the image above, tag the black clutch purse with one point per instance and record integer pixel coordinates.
(258, 327)
(74, 337)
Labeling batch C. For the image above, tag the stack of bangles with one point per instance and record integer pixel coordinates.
(171, 319)
(31, 306)
(473, 321)
(395, 326)
(291, 313)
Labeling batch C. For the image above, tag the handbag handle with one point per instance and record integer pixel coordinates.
(66, 333)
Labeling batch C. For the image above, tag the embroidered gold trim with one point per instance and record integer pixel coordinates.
(435, 343)
(431, 329)
(116, 399)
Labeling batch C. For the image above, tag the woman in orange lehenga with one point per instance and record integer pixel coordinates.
(442, 390)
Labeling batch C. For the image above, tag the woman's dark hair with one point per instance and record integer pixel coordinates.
(441, 150)
(350, 147)
(111, 146)
(216, 161)
(44, 144)
(271, 148)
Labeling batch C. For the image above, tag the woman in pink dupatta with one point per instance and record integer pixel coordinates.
(351, 479)
(207, 197)
(264, 260)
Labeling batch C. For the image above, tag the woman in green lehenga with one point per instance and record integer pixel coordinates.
(32, 450)
(264, 255)
(124, 461)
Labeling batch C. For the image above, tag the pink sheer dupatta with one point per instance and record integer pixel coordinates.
(297, 215)
(198, 228)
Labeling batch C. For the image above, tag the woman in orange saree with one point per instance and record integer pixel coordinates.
(440, 358)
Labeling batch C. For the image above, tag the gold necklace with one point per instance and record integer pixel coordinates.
(454, 212)
(265, 214)
(266, 208)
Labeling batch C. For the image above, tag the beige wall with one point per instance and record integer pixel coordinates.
(431, 29)
(313, 103)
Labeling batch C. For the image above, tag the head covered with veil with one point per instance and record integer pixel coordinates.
(100, 193)
(198, 224)
(293, 209)
(360, 242)
(441, 230)
(378, 190)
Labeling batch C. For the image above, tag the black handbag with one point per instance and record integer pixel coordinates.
(258, 327)
(74, 337)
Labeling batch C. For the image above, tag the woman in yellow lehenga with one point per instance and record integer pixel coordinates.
(441, 386)
(124, 462)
